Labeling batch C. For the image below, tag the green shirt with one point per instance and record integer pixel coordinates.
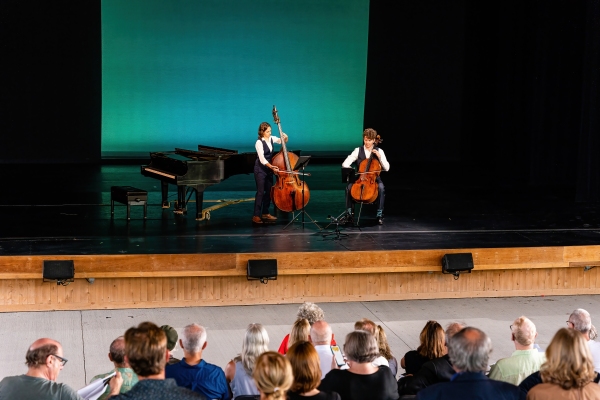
(25, 387)
(129, 379)
(518, 366)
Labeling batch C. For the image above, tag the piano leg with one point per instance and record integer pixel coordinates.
(199, 200)
(164, 188)
(181, 208)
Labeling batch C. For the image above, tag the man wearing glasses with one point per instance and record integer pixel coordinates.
(44, 360)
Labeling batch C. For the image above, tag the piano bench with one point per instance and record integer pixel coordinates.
(130, 196)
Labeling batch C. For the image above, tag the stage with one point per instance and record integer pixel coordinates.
(525, 241)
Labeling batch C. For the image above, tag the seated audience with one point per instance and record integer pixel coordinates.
(362, 380)
(535, 379)
(116, 355)
(300, 332)
(433, 371)
(374, 329)
(310, 312)
(273, 376)
(238, 371)
(307, 373)
(432, 340)
(146, 352)
(469, 352)
(524, 360)
(193, 372)
(44, 360)
(568, 372)
(320, 336)
(581, 321)
(172, 338)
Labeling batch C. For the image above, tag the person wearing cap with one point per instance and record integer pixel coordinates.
(172, 338)
(116, 354)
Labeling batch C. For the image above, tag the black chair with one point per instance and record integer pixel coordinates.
(248, 397)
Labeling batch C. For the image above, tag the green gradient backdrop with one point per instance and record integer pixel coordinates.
(176, 73)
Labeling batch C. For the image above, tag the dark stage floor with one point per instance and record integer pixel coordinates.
(65, 209)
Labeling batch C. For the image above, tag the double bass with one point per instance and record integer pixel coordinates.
(287, 191)
(366, 189)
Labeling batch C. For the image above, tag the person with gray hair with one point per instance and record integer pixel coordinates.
(310, 312)
(581, 321)
(320, 336)
(192, 371)
(469, 352)
(362, 380)
(525, 360)
(116, 355)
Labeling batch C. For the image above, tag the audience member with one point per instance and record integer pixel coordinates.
(307, 373)
(581, 321)
(238, 371)
(320, 335)
(433, 371)
(385, 351)
(469, 352)
(432, 341)
(362, 380)
(44, 360)
(273, 375)
(374, 329)
(172, 338)
(524, 360)
(568, 372)
(146, 352)
(116, 355)
(310, 312)
(193, 372)
(300, 332)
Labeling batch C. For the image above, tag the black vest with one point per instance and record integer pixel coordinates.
(268, 155)
(361, 154)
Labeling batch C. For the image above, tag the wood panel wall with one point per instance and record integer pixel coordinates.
(150, 281)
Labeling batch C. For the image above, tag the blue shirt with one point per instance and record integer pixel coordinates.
(204, 378)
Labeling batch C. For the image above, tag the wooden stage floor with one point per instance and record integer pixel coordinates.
(525, 241)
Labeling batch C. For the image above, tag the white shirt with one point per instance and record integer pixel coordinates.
(595, 350)
(260, 150)
(354, 156)
(325, 357)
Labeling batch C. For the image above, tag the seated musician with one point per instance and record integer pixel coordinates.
(358, 155)
(263, 173)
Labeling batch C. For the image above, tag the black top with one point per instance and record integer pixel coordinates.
(380, 385)
(318, 396)
(432, 372)
(413, 362)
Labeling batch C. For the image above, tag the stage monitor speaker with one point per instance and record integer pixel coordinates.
(61, 271)
(457, 263)
(263, 270)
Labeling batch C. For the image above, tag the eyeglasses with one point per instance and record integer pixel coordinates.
(62, 360)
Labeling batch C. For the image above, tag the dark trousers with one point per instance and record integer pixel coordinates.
(264, 183)
(380, 198)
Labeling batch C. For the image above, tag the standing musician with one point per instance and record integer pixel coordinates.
(263, 173)
(358, 155)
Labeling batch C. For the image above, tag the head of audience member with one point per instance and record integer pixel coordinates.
(300, 332)
(452, 329)
(311, 312)
(523, 333)
(306, 367)
(256, 342)
(432, 339)
(146, 350)
(320, 333)
(193, 341)
(581, 321)
(117, 352)
(272, 375)
(382, 342)
(44, 359)
(172, 337)
(568, 360)
(469, 350)
(360, 348)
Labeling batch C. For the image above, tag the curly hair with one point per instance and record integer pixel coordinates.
(310, 312)
(370, 133)
(262, 128)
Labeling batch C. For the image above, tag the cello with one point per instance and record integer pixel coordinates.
(287, 193)
(366, 189)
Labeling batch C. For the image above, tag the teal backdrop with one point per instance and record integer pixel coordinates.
(177, 73)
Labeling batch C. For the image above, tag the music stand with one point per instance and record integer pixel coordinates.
(301, 163)
(349, 176)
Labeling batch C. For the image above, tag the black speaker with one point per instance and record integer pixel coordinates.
(262, 270)
(457, 263)
(61, 271)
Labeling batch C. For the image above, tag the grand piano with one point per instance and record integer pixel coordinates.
(195, 170)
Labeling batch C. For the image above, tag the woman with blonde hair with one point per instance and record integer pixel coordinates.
(306, 368)
(238, 371)
(300, 332)
(568, 372)
(273, 376)
(432, 346)
(310, 312)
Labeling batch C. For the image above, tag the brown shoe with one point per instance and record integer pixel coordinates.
(269, 217)
(256, 220)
